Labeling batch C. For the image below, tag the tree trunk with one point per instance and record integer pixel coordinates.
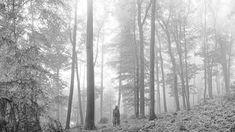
(218, 82)
(119, 89)
(141, 48)
(84, 88)
(90, 110)
(186, 71)
(136, 68)
(158, 97)
(229, 60)
(79, 93)
(163, 75)
(58, 88)
(205, 51)
(72, 70)
(174, 71)
(101, 85)
(210, 93)
(152, 45)
(224, 64)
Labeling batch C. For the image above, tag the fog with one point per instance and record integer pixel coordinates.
(65, 65)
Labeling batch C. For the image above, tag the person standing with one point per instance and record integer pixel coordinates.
(116, 116)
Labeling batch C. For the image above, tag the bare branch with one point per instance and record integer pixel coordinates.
(146, 12)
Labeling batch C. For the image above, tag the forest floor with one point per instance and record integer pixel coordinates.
(217, 115)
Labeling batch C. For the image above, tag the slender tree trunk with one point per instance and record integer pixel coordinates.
(137, 84)
(229, 59)
(84, 89)
(224, 64)
(72, 69)
(210, 92)
(152, 55)
(218, 81)
(141, 48)
(225, 72)
(58, 88)
(136, 67)
(79, 93)
(101, 85)
(90, 110)
(162, 72)
(158, 97)
(186, 71)
(205, 51)
(119, 89)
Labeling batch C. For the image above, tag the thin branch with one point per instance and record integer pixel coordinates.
(146, 12)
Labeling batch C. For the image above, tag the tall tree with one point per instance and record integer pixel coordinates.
(141, 48)
(152, 56)
(136, 66)
(72, 69)
(90, 109)
(165, 27)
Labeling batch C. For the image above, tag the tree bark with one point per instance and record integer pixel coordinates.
(152, 56)
(90, 110)
(72, 69)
